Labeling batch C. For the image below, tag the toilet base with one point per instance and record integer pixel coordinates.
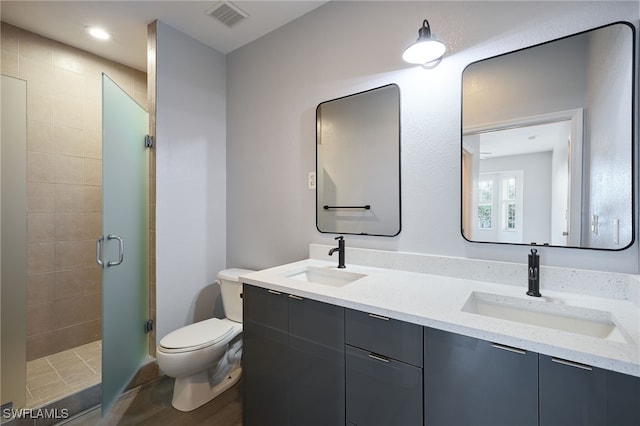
(194, 391)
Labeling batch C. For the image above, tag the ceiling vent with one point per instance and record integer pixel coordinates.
(227, 13)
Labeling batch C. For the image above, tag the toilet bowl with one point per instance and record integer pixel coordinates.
(204, 357)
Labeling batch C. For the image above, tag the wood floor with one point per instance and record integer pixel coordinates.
(151, 405)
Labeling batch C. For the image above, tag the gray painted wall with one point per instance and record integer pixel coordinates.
(275, 83)
(190, 178)
(610, 71)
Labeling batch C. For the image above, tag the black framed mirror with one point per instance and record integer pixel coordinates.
(358, 163)
(547, 150)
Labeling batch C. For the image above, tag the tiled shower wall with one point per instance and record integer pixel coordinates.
(64, 183)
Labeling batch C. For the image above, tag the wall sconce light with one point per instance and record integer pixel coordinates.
(425, 51)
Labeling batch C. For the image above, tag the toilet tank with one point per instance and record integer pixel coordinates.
(231, 290)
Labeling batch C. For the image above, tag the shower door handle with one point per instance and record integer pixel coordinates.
(99, 251)
(120, 250)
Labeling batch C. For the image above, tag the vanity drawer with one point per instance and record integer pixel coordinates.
(382, 391)
(385, 336)
(265, 307)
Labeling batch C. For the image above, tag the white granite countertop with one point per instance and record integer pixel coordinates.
(436, 301)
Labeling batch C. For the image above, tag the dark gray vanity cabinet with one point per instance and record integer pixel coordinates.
(383, 371)
(474, 382)
(572, 393)
(293, 360)
(311, 363)
(265, 351)
(316, 363)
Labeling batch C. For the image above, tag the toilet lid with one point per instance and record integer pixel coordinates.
(199, 335)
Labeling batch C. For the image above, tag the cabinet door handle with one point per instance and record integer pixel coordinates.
(380, 317)
(293, 296)
(571, 364)
(379, 358)
(274, 292)
(509, 348)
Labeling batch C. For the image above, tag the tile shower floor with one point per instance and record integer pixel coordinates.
(57, 375)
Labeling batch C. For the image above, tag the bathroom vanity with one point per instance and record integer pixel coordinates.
(380, 346)
(294, 352)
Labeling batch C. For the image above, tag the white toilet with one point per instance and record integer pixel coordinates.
(205, 357)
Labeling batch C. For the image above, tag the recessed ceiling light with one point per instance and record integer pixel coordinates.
(98, 33)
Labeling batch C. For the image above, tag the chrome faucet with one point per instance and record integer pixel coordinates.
(340, 250)
(534, 274)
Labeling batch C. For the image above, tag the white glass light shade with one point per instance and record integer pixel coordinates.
(424, 51)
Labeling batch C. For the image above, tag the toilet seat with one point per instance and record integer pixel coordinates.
(196, 336)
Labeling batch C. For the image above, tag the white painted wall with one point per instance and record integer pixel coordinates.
(190, 178)
(276, 82)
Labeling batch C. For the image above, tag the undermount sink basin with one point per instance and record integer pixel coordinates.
(585, 321)
(325, 276)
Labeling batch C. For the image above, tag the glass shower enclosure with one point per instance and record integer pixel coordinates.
(13, 249)
(122, 250)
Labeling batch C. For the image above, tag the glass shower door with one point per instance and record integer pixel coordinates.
(122, 250)
(13, 244)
